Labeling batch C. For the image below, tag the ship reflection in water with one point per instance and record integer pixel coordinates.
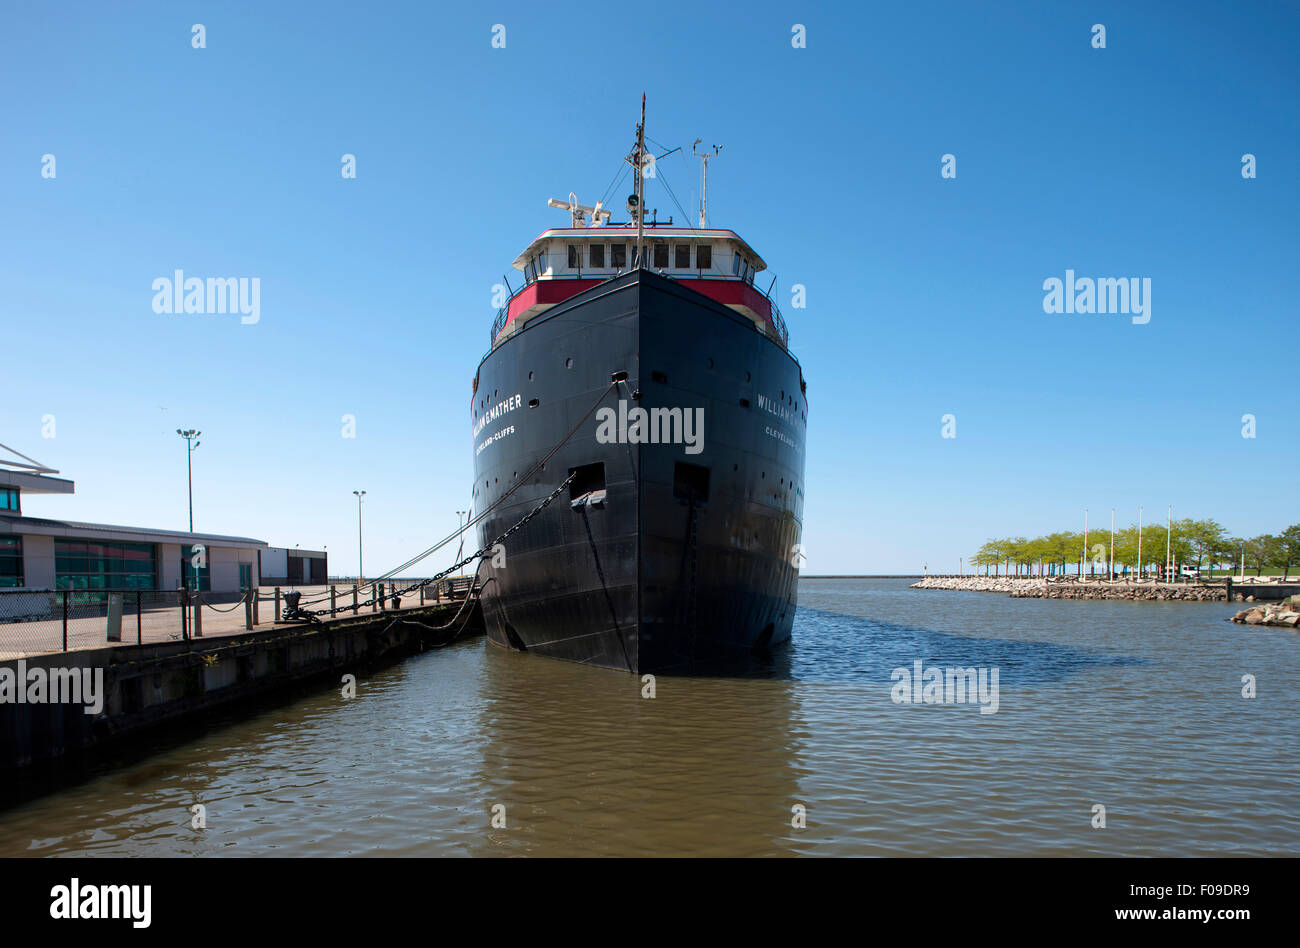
(1136, 706)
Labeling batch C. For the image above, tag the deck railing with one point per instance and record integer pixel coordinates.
(778, 322)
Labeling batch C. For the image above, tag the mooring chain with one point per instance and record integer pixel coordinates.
(485, 551)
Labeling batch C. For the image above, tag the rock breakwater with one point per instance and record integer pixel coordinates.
(1022, 588)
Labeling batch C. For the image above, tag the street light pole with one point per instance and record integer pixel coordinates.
(361, 569)
(1085, 542)
(189, 434)
(1139, 541)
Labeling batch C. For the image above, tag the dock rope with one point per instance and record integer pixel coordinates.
(482, 553)
(477, 518)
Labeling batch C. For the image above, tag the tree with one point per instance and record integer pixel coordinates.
(1204, 537)
(1229, 553)
(1262, 552)
(1288, 549)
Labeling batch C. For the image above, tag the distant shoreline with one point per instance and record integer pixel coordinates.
(865, 576)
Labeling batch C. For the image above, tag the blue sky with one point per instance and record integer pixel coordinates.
(924, 294)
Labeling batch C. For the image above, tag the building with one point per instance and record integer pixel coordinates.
(281, 566)
(36, 553)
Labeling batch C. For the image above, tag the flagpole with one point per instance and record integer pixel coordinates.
(1111, 575)
(1139, 541)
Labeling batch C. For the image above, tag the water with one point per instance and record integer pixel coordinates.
(1136, 706)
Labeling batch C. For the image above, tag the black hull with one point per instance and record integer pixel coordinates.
(689, 557)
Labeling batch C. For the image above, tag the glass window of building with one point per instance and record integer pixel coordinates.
(598, 256)
(101, 565)
(661, 256)
(11, 562)
(683, 257)
(704, 257)
(9, 499)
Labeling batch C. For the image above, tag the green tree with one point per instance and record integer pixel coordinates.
(1288, 549)
(1204, 539)
(1261, 552)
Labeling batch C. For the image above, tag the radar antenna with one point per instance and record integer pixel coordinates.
(578, 212)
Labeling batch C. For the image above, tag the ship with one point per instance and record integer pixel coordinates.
(639, 433)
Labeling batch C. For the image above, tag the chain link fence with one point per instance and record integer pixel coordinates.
(37, 622)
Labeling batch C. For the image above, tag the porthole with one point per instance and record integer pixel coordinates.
(530, 376)
(533, 403)
(568, 363)
(708, 363)
(746, 376)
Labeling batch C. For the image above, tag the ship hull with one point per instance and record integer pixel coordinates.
(675, 545)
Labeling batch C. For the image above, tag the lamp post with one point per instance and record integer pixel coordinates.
(1139, 541)
(1169, 533)
(1085, 542)
(361, 572)
(191, 445)
(1111, 574)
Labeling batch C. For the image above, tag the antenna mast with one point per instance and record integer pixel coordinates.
(639, 164)
(704, 177)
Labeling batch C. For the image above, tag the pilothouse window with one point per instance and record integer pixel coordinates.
(704, 257)
(661, 256)
(598, 256)
(575, 257)
(618, 256)
(683, 261)
(735, 264)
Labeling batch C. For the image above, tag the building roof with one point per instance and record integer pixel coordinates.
(29, 475)
(30, 483)
(74, 530)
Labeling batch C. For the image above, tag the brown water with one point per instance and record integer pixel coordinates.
(1136, 706)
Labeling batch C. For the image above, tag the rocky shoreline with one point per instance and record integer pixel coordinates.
(1285, 614)
(1018, 588)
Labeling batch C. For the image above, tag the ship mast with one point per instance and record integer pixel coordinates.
(639, 165)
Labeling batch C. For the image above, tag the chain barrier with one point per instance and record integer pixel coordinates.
(238, 602)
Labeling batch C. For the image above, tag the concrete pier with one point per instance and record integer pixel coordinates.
(160, 682)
